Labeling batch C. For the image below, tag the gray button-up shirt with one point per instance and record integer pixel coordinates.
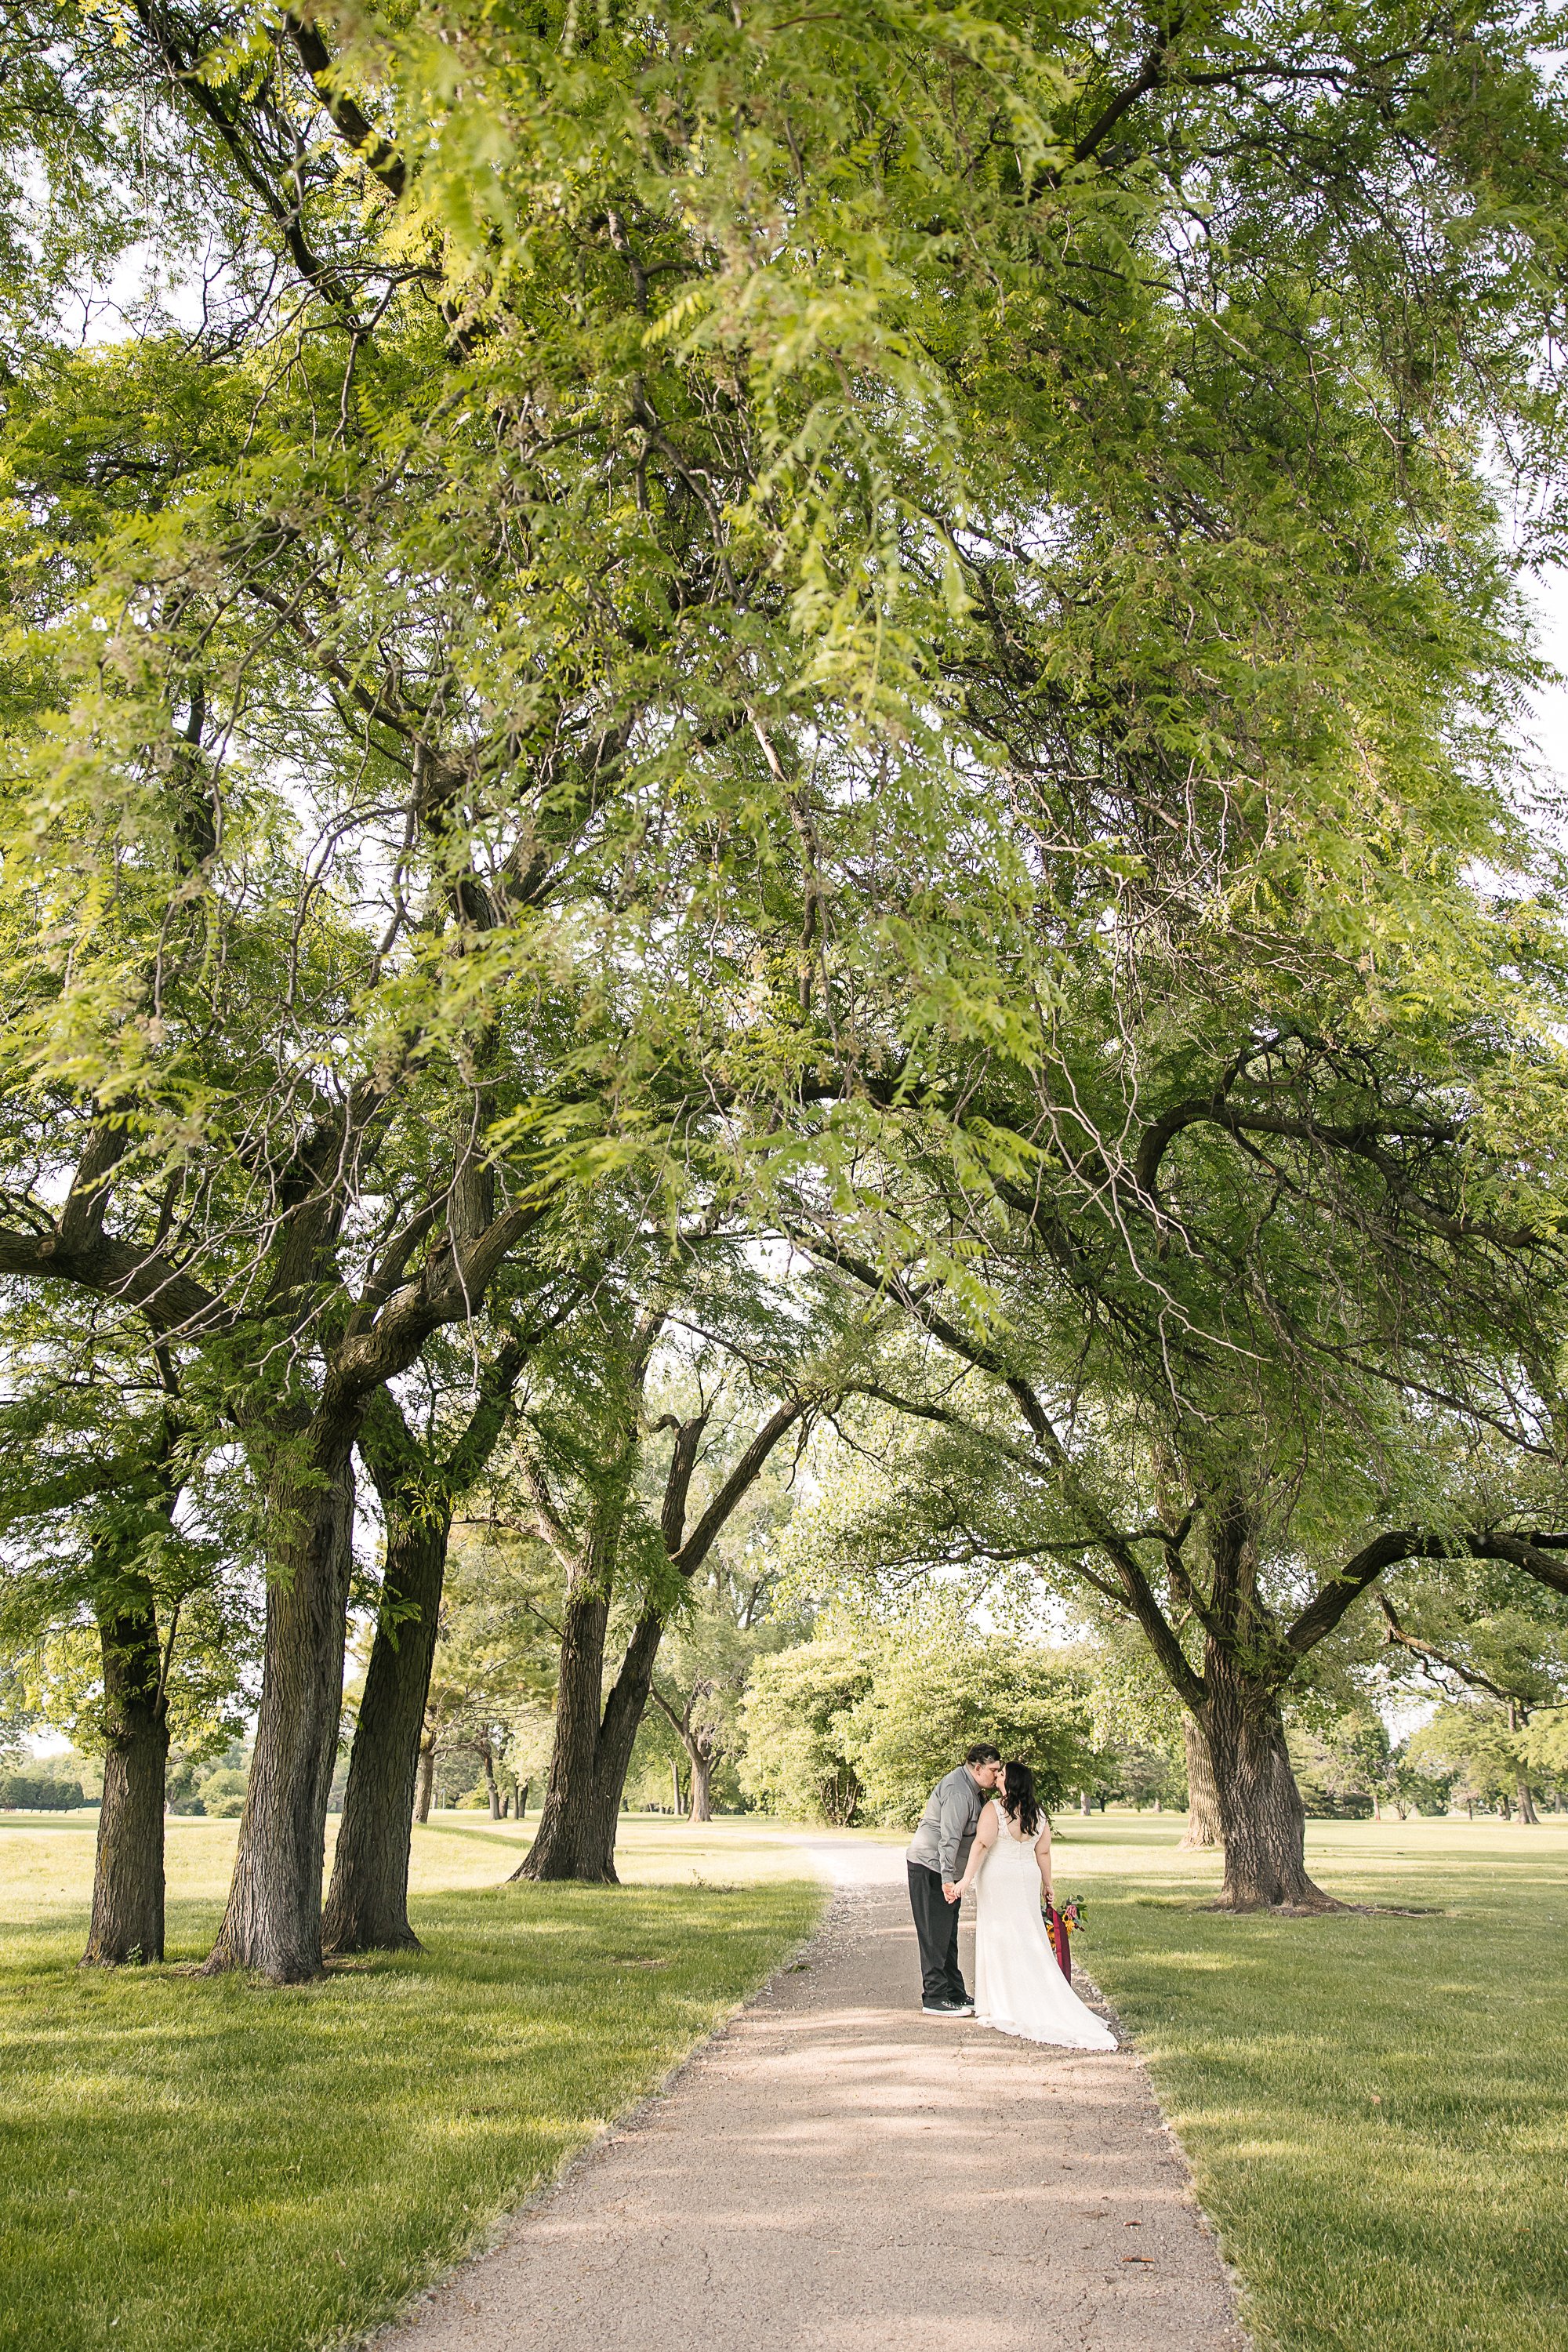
(947, 1826)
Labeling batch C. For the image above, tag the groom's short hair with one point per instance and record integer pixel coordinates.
(983, 1753)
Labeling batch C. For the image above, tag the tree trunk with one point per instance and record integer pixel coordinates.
(128, 1876)
(701, 1783)
(1262, 1820)
(390, 1774)
(492, 1786)
(1203, 1830)
(577, 1825)
(392, 1767)
(676, 1805)
(1084, 1804)
(424, 1785)
(1526, 1812)
(273, 1922)
(564, 1845)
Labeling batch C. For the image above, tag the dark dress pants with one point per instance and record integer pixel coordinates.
(936, 1925)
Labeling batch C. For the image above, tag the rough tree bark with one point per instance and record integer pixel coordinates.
(127, 1922)
(569, 1842)
(1263, 1823)
(702, 1764)
(580, 1816)
(273, 1920)
(390, 1772)
(367, 1902)
(1203, 1830)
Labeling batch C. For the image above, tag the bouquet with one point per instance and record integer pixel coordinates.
(1063, 1925)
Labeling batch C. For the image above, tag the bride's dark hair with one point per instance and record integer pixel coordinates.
(1020, 1797)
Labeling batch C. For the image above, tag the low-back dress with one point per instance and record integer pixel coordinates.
(1018, 1987)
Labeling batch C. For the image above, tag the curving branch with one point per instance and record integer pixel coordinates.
(697, 1545)
(378, 155)
(1154, 69)
(1430, 1657)
(174, 1303)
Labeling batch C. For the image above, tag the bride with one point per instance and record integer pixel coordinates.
(1018, 1987)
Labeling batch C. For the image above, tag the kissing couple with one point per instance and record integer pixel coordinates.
(984, 1826)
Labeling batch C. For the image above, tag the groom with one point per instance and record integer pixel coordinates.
(938, 1851)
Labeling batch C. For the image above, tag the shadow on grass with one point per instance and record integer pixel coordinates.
(1374, 2101)
(504, 1834)
(188, 2162)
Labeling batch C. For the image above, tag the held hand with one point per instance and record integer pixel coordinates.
(954, 1894)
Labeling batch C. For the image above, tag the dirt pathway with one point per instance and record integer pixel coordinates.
(835, 2173)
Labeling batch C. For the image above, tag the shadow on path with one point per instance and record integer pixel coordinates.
(836, 2173)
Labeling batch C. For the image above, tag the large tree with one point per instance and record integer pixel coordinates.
(1231, 1480)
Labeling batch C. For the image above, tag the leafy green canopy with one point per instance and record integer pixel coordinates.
(697, 568)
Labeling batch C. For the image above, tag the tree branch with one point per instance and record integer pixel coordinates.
(700, 1541)
(678, 1484)
(378, 154)
(1428, 1654)
(1150, 75)
(1324, 1611)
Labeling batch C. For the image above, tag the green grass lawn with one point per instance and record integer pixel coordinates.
(1375, 2108)
(193, 2166)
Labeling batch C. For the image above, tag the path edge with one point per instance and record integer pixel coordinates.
(1239, 2294)
(494, 2233)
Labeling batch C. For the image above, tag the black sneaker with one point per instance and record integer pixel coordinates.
(947, 2008)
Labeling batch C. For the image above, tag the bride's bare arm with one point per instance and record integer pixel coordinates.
(1043, 1856)
(984, 1839)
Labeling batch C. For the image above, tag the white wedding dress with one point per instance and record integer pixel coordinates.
(1018, 1987)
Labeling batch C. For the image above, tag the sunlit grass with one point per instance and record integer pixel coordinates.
(1376, 2107)
(187, 2164)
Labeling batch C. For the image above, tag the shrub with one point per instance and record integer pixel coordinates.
(222, 1794)
(934, 1693)
(851, 1719)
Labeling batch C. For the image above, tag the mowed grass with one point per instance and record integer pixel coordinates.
(196, 2166)
(1376, 2107)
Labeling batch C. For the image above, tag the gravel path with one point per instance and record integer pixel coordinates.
(835, 2173)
